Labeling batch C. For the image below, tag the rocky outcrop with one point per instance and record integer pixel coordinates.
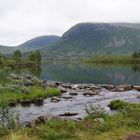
(25, 79)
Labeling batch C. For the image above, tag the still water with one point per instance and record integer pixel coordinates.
(77, 72)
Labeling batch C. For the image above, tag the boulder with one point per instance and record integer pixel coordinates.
(62, 89)
(15, 76)
(47, 84)
(136, 88)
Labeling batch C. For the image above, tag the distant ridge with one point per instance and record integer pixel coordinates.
(86, 39)
(33, 44)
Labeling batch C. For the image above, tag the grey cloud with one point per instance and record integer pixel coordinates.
(24, 19)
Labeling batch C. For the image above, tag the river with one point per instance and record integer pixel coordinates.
(75, 72)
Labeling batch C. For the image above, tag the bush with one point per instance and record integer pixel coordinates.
(53, 92)
(132, 111)
(117, 104)
(96, 111)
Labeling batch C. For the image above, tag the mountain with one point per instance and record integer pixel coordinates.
(86, 39)
(33, 44)
(38, 43)
(6, 49)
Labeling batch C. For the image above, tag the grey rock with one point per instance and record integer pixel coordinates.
(55, 99)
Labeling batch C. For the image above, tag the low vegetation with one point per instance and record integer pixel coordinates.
(30, 93)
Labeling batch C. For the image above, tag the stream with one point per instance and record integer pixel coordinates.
(75, 104)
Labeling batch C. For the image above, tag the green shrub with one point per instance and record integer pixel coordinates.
(117, 104)
(53, 92)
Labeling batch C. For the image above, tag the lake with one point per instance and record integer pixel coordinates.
(77, 72)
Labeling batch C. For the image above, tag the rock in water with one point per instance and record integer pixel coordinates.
(68, 114)
(136, 88)
(55, 99)
(49, 83)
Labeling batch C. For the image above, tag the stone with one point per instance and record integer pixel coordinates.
(15, 76)
(136, 88)
(67, 97)
(28, 83)
(124, 87)
(65, 85)
(108, 87)
(73, 92)
(38, 102)
(25, 103)
(138, 96)
(90, 93)
(49, 84)
(68, 114)
(55, 99)
(12, 104)
(35, 80)
(62, 89)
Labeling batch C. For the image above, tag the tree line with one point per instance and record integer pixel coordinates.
(33, 58)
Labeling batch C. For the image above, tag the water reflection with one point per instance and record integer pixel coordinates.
(77, 72)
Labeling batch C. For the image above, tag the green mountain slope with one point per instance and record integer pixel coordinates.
(89, 38)
(31, 45)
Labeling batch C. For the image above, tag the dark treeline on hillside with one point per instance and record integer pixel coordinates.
(17, 60)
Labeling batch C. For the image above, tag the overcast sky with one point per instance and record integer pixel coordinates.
(21, 20)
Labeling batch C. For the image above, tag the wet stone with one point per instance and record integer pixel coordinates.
(55, 99)
(68, 114)
(136, 88)
(73, 92)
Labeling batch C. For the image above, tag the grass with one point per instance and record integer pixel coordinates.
(116, 127)
(34, 93)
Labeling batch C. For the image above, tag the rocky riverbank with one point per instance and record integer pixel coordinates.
(69, 103)
(87, 89)
(22, 82)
